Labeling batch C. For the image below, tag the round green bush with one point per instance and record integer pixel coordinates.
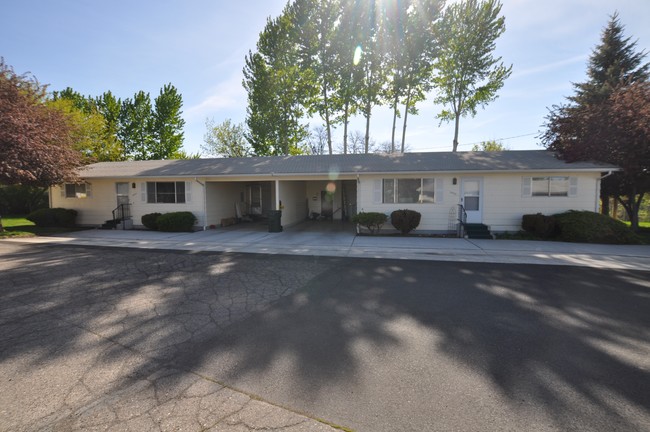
(373, 221)
(150, 220)
(53, 217)
(405, 220)
(590, 227)
(176, 221)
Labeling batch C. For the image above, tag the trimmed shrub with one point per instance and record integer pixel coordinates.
(540, 225)
(150, 220)
(590, 227)
(56, 217)
(373, 221)
(405, 220)
(176, 221)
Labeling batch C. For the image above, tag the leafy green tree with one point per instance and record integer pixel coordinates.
(225, 140)
(167, 124)
(88, 131)
(348, 56)
(136, 127)
(315, 27)
(372, 62)
(412, 47)
(276, 91)
(110, 107)
(466, 74)
(491, 145)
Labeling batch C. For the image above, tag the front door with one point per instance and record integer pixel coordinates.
(471, 198)
(122, 190)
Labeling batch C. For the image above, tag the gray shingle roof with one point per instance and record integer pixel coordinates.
(513, 160)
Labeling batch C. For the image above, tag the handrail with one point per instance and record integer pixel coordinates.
(462, 218)
(121, 213)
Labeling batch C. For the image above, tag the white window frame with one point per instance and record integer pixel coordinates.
(570, 182)
(152, 198)
(79, 190)
(395, 186)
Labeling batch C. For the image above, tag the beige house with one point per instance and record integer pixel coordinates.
(490, 188)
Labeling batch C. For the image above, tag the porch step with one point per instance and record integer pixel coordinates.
(109, 224)
(477, 231)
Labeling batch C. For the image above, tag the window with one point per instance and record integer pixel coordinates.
(408, 190)
(550, 186)
(74, 190)
(166, 192)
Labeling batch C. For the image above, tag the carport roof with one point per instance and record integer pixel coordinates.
(505, 161)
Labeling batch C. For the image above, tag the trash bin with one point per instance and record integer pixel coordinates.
(275, 221)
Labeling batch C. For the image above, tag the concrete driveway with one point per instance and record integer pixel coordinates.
(123, 339)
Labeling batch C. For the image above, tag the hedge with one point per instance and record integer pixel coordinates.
(176, 221)
(53, 217)
(150, 220)
(373, 221)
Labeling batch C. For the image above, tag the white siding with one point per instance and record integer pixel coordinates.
(505, 202)
(222, 197)
(293, 195)
(98, 208)
(435, 216)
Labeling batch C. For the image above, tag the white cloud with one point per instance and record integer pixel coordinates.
(228, 94)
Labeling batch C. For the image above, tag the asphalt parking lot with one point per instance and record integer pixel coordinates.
(112, 339)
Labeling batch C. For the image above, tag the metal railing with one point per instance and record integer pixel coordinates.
(121, 213)
(462, 220)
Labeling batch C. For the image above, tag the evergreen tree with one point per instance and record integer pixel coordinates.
(613, 62)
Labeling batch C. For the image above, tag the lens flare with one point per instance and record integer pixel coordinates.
(357, 55)
(331, 187)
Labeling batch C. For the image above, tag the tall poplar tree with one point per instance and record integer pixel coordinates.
(136, 127)
(277, 90)
(167, 124)
(466, 74)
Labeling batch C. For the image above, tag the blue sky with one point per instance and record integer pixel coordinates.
(199, 46)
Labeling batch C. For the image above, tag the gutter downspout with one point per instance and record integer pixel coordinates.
(598, 183)
(205, 212)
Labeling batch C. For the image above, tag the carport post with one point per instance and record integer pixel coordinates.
(277, 195)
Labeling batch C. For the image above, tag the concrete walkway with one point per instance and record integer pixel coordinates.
(300, 240)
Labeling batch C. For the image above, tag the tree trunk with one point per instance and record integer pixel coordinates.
(392, 138)
(367, 138)
(604, 200)
(327, 120)
(455, 148)
(1, 227)
(345, 127)
(406, 114)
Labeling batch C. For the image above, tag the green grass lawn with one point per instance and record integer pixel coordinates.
(18, 226)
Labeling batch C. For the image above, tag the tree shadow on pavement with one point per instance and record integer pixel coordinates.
(373, 344)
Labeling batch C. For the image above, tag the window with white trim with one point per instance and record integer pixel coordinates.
(408, 190)
(166, 192)
(75, 190)
(550, 186)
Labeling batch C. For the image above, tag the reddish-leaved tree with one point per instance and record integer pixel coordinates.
(615, 130)
(35, 140)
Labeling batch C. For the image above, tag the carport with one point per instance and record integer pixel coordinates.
(229, 201)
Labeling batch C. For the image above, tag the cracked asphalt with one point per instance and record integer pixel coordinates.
(110, 339)
(89, 338)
